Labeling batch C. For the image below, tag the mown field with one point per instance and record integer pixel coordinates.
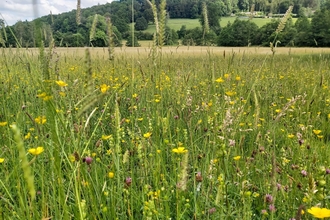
(183, 133)
(176, 24)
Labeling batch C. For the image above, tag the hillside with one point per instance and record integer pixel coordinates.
(72, 30)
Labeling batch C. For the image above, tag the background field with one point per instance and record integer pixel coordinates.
(176, 24)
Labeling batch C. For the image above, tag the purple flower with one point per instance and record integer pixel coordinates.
(212, 210)
(278, 186)
(264, 212)
(272, 208)
(304, 173)
(269, 198)
(327, 171)
(128, 181)
(88, 160)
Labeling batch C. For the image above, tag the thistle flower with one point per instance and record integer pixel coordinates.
(88, 160)
(128, 181)
(269, 198)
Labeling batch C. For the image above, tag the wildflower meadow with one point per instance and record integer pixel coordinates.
(236, 135)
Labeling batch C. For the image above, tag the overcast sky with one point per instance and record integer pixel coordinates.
(15, 10)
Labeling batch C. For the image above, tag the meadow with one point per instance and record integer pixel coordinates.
(175, 133)
(176, 23)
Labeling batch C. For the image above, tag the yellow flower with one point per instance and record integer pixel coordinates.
(2, 160)
(238, 78)
(106, 137)
(111, 175)
(27, 136)
(157, 100)
(42, 95)
(62, 94)
(318, 212)
(305, 199)
(317, 132)
(4, 123)
(179, 150)
(255, 194)
(61, 83)
(147, 135)
(237, 158)
(290, 135)
(226, 75)
(219, 80)
(230, 93)
(72, 158)
(104, 88)
(47, 98)
(40, 120)
(36, 151)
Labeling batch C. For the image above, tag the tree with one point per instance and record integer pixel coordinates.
(240, 33)
(265, 33)
(182, 32)
(303, 37)
(141, 24)
(243, 5)
(132, 42)
(171, 37)
(215, 9)
(196, 37)
(320, 26)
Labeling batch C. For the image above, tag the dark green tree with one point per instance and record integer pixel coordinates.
(240, 33)
(303, 37)
(141, 24)
(171, 37)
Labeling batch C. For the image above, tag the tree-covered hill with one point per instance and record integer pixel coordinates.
(68, 29)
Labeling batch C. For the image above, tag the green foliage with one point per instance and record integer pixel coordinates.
(212, 136)
(240, 33)
(320, 26)
(141, 24)
(215, 9)
(132, 41)
(265, 35)
(304, 33)
(70, 29)
(197, 37)
(171, 36)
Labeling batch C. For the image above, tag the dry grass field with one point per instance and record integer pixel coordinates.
(188, 50)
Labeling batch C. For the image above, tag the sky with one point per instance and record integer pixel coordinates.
(15, 10)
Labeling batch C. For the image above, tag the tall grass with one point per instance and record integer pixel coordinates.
(212, 137)
(241, 136)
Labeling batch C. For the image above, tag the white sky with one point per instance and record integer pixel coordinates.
(15, 10)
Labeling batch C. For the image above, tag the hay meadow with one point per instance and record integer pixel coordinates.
(173, 133)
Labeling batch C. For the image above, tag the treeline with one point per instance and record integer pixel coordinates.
(68, 29)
